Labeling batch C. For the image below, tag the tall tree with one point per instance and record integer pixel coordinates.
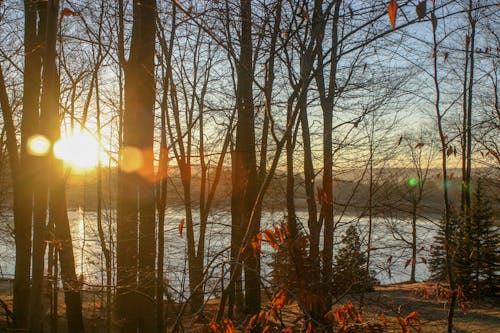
(136, 245)
(244, 190)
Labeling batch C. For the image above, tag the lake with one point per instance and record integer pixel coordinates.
(387, 241)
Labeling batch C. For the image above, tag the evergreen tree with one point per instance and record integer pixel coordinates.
(437, 263)
(480, 242)
(350, 272)
(475, 247)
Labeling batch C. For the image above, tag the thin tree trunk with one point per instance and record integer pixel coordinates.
(413, 241)
(447, 214)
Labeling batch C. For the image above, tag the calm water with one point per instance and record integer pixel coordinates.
(386, 240)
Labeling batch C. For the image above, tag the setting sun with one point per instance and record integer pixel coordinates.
(78, 150)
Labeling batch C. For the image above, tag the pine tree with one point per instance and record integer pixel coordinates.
(474, 244)
(350, 272)
(437, 263)
(484, 240)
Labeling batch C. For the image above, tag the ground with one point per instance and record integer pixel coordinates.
(392, 300)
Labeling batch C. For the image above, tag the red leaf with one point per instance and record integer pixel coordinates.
(421, 9)
(181, 226)
(419, 145)
(392, 9)
(424, 260)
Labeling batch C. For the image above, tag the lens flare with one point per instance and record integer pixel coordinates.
(413, 182)
(132, 159)
(38, 145)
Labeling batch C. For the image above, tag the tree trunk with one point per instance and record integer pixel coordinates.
(22, 217)
(39, 183)
(57, 206)
(245, 154)
(136, 188)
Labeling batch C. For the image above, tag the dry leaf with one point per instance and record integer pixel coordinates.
(181, 227)
(421, 8)
(434, 21)
(271, 239)
(392, 9)
(69, 12)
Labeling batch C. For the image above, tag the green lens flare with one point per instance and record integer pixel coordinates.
(412, 182)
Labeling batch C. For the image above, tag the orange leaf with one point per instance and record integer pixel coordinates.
(213, 326)
(229, 326)
(256, 244)
(271, 239)
(181, 226)
(419, 145)
(288, 330)
(404, 325)
(384, 320)
(407, 263)
(392, 9)
(412, 316)
(68, 12)
(421, 9)
(278, 231)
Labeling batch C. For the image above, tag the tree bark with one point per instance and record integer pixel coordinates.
(50, 124)
(136, 243)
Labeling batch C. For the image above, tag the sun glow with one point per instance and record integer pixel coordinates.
(78, 150)
(38, 145)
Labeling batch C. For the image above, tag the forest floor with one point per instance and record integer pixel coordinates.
(393, 301)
